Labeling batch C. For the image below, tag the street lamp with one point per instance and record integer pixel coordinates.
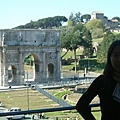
(26, 72)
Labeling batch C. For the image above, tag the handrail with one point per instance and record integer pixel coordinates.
(44, 110)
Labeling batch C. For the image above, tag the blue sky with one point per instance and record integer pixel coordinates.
(19, 12)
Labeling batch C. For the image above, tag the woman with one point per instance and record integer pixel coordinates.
(107, 87)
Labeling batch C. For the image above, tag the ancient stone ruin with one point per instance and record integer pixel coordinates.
(42, 45)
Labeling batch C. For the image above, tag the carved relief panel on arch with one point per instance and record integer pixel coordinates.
(12, 57)
(50, 55)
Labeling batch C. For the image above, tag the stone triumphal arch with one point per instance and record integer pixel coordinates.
(42, 45)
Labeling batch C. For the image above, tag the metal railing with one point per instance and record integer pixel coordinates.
(44, 110)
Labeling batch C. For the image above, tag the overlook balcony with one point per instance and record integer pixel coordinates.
(66, 107)
(25, 112)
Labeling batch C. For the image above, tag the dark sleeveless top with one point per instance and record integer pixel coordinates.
(110, 109)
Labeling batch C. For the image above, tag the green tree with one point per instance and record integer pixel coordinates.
(71, 20)
(85, 17)
(87, 40)
(97, 33)
(45, 23)
(70, 23)
(76, 41)
(96, 23)
(117, 37)
(79, 27)
(109, 37)
(78, 17)
(66, 36)
(71, 41)
(74, 38)
(116, 18)
(75, 18)
(71, 17)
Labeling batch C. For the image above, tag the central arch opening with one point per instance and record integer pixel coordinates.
(31, 67)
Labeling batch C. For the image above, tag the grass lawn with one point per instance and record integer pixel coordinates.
(18, 98)
(70, 54)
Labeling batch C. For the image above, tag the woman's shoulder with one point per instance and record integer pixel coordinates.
(98, 80)
(97, 83)
(100, 77)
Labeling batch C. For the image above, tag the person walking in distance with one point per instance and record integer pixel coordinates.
(107, 87)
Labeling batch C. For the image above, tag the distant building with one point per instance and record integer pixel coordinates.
(112, 24)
